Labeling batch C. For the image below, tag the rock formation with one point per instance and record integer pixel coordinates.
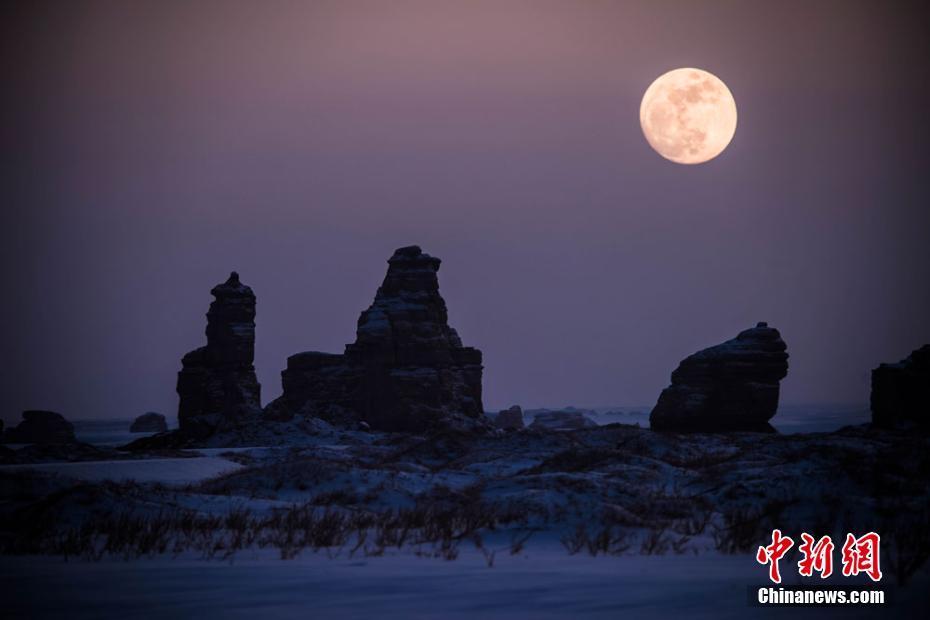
(217, 383)
(44, 427)
(150, 422)
(901, 392)
(510, 419)
(565, 420)
(407, 369)
(729, 387)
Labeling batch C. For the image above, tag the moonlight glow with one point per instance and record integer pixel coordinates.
(688, 116)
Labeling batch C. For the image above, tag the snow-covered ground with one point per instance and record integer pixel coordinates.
(202, 532)
(542, 583)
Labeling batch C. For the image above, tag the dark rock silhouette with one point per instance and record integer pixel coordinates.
(217, 383)
(150, 422)
(901, 392)
(407, 369)
(729, 387)
(510, 419)
(70, 452)
(44, 427)
(565, 420)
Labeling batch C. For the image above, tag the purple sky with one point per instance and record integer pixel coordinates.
(152, 147)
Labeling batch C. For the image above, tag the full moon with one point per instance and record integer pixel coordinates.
(688, 116)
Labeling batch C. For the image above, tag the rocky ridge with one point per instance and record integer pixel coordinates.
(729, 387)
(150, 422)
(510, 419)
(41, 427)
(901, 392)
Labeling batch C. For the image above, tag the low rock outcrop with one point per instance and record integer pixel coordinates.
(407, 369)
(564, 420)
(150, 422)
(70, 452)
(729, 387)
(901, 392)
(217, 383)
(510, 419)
(42, 427)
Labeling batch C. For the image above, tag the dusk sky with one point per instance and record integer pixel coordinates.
(151, 148)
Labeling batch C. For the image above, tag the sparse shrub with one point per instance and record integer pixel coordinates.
(655, 542)
(744, 528)
(905, 532)
(607, 541)
(518, 541)
(575, 541)
(694, 524)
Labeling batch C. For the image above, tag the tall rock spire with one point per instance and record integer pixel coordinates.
(217, 383)
(408, 317)
(407, 369)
